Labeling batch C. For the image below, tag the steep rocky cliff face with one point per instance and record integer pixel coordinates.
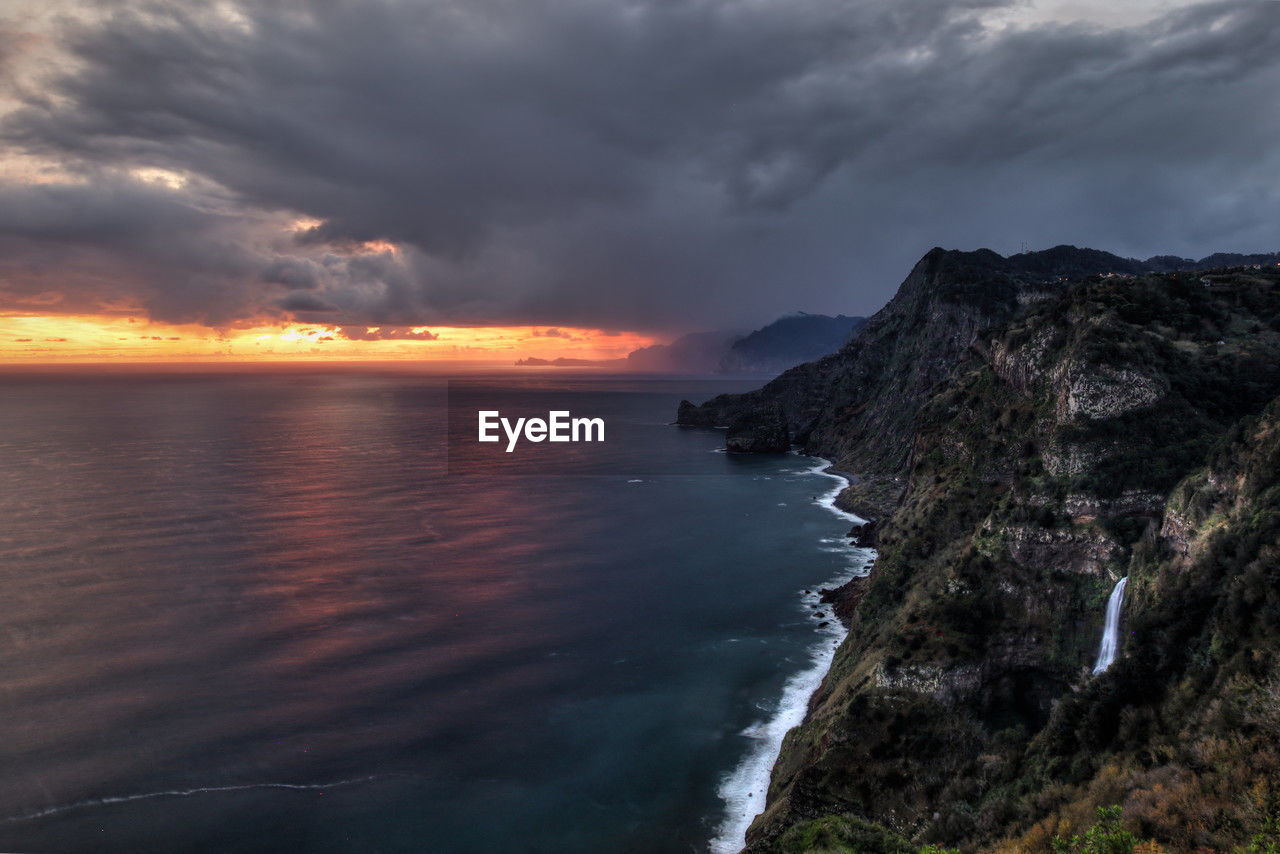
(1184, 731)
(857, 406)
(1047, 447)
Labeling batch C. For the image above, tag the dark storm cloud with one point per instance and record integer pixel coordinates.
(84, 245)
(304, 302)
(649, 164)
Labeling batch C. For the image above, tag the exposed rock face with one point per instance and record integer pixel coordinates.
(1107, 392)
(1177, 532)
(1131, 502)
(845, 598)
(1069, 459)
(947, 686)
(1085, 391)
(1072, 551)
(1026, 364)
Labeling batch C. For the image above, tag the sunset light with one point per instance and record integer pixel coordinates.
(72, 339)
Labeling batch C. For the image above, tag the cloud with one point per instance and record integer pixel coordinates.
(653, 164)
(303, 302)
(387, 333)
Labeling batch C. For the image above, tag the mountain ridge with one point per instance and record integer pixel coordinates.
(1043, 439)
(879, 379)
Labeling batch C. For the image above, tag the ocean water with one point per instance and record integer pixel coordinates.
(265, 612)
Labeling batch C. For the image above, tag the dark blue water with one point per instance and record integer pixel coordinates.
(254, 613)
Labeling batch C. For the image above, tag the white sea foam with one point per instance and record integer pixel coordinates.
(828, 499)
(744, 790)
(186, 793)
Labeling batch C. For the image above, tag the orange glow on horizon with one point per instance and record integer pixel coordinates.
(80, 339)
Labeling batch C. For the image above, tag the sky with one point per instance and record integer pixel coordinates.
(420, 179)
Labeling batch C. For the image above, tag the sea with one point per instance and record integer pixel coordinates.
(263, 611)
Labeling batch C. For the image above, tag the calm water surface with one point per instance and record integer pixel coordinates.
(255, 613)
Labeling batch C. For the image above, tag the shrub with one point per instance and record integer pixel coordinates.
(1107, 836)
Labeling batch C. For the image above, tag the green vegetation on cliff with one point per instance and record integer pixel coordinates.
(1119, 426)
(1185, 729)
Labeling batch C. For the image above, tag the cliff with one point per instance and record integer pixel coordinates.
(857, 406)
(1050, 438)
(1183, 733)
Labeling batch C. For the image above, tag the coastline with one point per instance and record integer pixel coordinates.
(745, 789)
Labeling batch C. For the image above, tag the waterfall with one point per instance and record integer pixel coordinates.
(1111, 634)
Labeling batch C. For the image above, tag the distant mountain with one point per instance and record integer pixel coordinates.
(1235, 259)
(695, 353)
(1070, 262)
(565, 362)
(789, 341)
(786, 342)
(1172, 263)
